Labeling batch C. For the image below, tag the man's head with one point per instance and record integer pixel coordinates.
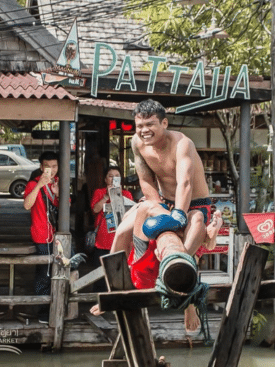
(148, 108)
(151, 122)
(49, 160)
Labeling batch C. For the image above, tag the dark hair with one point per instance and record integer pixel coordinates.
(110, 168)
(48, 156)
(149, 107)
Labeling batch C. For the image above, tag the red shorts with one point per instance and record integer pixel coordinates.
(144, 271)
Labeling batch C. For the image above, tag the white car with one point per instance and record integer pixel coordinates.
(15, 171)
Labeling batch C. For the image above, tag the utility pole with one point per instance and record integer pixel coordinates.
(273, 91)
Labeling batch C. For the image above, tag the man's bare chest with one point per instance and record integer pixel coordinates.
(162, 165)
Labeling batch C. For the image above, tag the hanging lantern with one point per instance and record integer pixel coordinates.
(112, 124)
(126, 127)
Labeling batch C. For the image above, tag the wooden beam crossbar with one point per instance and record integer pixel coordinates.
(26, 260)
(237, 313)
(150, 297)
(87, 279)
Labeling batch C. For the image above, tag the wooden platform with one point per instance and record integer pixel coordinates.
(100, 332)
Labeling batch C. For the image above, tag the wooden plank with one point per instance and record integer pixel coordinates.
(128, 300)
(16, 249)
(73, 309)
(236, 317)
(133, 327)
(26, 260)
(87, 279)
(111, 337)
(150, 298)
(59, 290)
(118, 351)
(38, 109)
(83, 297)
(25, 300)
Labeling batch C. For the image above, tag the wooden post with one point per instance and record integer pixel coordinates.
(228, 345)
(133, 326)
(273, 90)
(59, 290)
(179, 275)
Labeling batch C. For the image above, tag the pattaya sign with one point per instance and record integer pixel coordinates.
(197, 82)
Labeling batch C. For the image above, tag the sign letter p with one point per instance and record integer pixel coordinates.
(96, 73)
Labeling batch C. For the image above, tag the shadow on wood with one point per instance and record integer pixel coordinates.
(235, 321)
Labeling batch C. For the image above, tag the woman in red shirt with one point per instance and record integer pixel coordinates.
(104, 239)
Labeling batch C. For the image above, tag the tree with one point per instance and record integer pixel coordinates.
(180, 31)
(174, 29)
(8, 136)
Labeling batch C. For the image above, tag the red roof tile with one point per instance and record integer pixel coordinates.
(114, 104)
(108, 104)
(28, 86)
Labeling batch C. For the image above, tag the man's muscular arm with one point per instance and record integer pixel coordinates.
(184, 174)
(146, 176)
(31, 198)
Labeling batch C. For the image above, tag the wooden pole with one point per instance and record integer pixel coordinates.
(133, 326)
(179, 275)
(244, 187)
(59, 290)
(273, 90)
(236, 317)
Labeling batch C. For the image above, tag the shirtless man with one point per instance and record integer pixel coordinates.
(167, 162)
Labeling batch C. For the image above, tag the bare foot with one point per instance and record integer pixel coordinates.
(191, 319)
(212, 230)
(95, 311)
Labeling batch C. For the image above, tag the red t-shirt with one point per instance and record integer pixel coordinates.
(41, 229)
(104, 239)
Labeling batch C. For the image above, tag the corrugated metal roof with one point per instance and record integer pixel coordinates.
(30, 86)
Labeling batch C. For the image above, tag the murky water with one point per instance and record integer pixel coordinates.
(197, 357)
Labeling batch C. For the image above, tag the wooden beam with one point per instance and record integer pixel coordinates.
(59, 290)
(236, 317)
(83, 297)
(133, 326)
(38, 109)
(150, 297)
(128, 300)
(87, 279)
(25, 300)
(26, 260)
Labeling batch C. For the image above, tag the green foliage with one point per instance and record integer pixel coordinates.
(173, 29)
(47, 125)
(22, 2)
(9, 137)
(258, 322)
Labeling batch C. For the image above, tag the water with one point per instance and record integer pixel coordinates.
(196, 357)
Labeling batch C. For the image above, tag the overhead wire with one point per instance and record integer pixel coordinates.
(90, 12)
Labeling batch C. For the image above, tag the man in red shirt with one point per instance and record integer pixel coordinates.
(41, 197)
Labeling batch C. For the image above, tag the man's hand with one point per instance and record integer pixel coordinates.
(45, 179)
(55, 188)
(154, 226)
